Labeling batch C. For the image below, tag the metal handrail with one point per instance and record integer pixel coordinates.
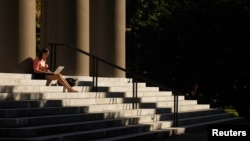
(135, 77)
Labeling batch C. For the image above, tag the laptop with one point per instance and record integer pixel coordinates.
(58, 70)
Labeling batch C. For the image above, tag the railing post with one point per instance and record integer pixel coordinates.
(176, 110)
(135, 96)
(95, 73)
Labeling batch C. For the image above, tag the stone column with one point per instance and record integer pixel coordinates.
(67, 21)
(107, 38)
(18, 35)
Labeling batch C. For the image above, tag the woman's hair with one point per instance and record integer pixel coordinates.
(44, 50)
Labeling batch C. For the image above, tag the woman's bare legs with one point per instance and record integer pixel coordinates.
(61, 80)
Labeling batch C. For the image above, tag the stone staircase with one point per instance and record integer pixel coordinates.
(32, 110)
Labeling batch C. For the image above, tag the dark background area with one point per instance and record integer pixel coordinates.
(202, 43)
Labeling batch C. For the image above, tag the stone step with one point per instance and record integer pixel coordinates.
(115, 109)
(138, 112)
(183, 115)
(204, 118)
(114, 100)
(93, 104)
(158, 125)
(51, 119)
(15, 76)
(126, 89)
(89, 78)
(80, 78)
(135, 112)
(150, 94)
(128, 106)
(107, 107)
(167, 99)
(100, 79)
(103, 81)
(50, 129)
(90, 134)
(128, 117)
(150, 136)
(92, 101)
(63, 95)
(147, 119)
(184, 108)
(196, 113)
(203, 125)
(181, 108)
(30, 104)
(57, 95)
(22, 112)
(190, 121)
(121, 84)
(14, 82)
(41, 85)
(171, 103)
(18, 88)
(87, 102)
(114, 79)
(39, 88)
(34, 82)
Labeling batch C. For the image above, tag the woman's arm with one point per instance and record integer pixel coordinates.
(37, 68)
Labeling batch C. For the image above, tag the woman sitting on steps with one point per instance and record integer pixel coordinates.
(41, 70)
